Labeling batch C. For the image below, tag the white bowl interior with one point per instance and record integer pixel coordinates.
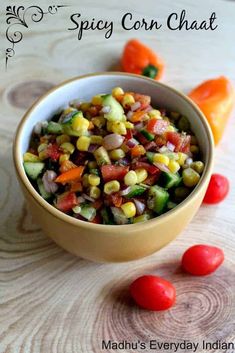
(85, 88)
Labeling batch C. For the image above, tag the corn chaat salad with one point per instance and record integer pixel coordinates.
(114, 160)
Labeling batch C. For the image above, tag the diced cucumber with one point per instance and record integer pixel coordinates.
(144, 217)
(169, 180)
(87, 212)
(101, 156)
(67, 123)
(135, 190)
(116, 110)
(46, 195)
(94, 171)
(158, 198)
(107, 216)
(150, 155)
(33, 170)
(147, 135)
(54, 128)
(119, 216)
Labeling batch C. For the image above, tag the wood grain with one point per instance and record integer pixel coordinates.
(51, 301)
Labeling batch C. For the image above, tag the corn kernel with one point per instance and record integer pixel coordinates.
(96, 139)
(30, 157)
(67, 147)
(117, 91)
(142, 174)
(63, 157)
(130, 178)
(83, 143)
(173, 166)
(129, 209)
(43, 155)
(109, 126)
(111, 186)
(181, 158)
(117, 154)
(198, 166)
(62, 138)
(161, 158)
(92, 164)
(99, 121)
(129, 125)
(154, 113)
(127, 100)
(85, 106)
(97, 100)
(94, 192)
(194, 149)
(79, 123)
(170, 128)
(42, 147)
(85, 182)
(190, 177)
(93, 179)
(118, 127)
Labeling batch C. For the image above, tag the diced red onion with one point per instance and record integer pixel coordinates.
(125, 191)
(129, 114)
(75, 103)
(80, 199)
(139, 126)
(92, 148)
(119, 216)
(44, 123)
(85, 196)
(150, 146)
(38, 128)
(112, 141)
(132, 142)
(48, 181)
(163, 149)
(124, 161)
(106, 109)
(170, 146)
(135, 106)
(146, 110)
(162, 167)
(189, 161)
(140, 206)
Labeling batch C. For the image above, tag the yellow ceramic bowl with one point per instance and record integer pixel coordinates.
(112, 243)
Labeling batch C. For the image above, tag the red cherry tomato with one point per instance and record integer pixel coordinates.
(217, 190)
(201, 260)
(153, 293)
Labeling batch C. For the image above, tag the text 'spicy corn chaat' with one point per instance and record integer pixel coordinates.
(114, 160)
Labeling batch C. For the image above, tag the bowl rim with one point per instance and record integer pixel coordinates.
(112, 229)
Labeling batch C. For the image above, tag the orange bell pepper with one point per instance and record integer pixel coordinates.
(216, 99)
(139, 59)
(137, 151)
(71, 175)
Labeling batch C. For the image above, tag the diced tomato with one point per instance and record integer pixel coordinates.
(66, 201)
(181, 142)
(185, 144)
(152, 179)
(97, 219)
(141, 138)
(129, 134)
(150, 146)
(53, 152)
(157, 126)
(113, 172)
(160, 141)
(138, 151)
(144, 100)
(97, 204)
(116, 199)
(150, 168)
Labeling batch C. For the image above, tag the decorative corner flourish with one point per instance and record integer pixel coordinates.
(16, 17)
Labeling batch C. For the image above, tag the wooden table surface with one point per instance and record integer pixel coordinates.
(51, 301)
